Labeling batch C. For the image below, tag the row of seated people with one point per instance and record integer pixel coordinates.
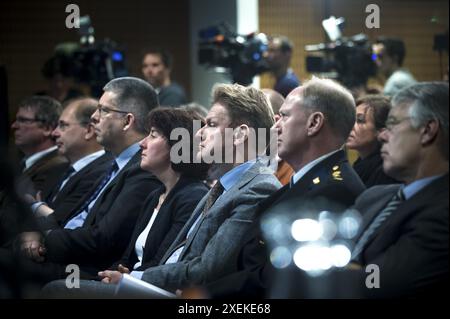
(135, 209)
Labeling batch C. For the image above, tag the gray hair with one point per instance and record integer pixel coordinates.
(429, 101)
(334, 101)
(135, 96)
(47, 110)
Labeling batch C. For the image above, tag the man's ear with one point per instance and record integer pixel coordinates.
(90, 132)
(240, 134)
(315, 122)
(128, 121)
(429, 132)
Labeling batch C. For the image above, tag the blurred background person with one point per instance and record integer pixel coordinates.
(156, 68)
(371, 114)
(278, 57)
(283, 171)
(58, 72)
(390, 53)
(42, 166)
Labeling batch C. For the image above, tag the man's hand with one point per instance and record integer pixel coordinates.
(122, 269)
(110, 276)
(32, 246)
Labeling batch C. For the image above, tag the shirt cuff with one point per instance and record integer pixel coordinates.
(137, 274)
(36, 205)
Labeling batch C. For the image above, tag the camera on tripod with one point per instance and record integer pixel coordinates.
(347, 59)
(90, 62)
(240, 56)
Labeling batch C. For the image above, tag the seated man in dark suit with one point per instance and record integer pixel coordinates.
(315, 121)
(205, 249)
(100, 226)
(405, 229)
(403, 245)
(76, 139)
(41, 167)
(36, 119)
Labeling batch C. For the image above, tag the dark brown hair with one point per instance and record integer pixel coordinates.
(380, 106)
(165, 120)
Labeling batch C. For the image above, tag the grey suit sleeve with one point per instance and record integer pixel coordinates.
(220, 255)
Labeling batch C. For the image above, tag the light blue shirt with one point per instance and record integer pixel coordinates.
(416, 186)
(121, 161)
(228, 180)
(82, 163)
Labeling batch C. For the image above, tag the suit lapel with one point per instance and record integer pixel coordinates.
(412, 205)
(118, 178)
(425, 196)
(376, 207)
(246, 178)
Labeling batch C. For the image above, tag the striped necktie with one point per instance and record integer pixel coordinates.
(100, 186)
(391, 206)
(214, 194)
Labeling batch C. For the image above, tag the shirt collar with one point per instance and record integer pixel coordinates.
(413, 188)
(30, 161)
(84, 161)
(126, 155)
(230, 178)
(305, 169)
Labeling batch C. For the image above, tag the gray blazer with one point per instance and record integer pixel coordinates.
(212, 248)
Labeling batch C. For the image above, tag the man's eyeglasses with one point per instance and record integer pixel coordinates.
(27, 120)
(393, 122)
(104, 110)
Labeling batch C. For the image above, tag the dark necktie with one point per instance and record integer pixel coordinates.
(51, 198)
(215, 192)
(391, 207)
(100, 186)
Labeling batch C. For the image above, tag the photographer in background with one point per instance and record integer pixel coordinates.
(390, 54)
(278, 57)
(156, 68)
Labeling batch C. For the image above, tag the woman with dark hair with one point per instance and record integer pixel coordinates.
(371, 114)
(169, 207)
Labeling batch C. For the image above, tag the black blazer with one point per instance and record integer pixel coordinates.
(330, 185)
(108, 227)
(332, 179)
(173, 214)
(42, 175)
(81, 183)
(411, 247)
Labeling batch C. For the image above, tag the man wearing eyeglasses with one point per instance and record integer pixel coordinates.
(99, 228)
(41, 167)
(36, 119)
(75, 139)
